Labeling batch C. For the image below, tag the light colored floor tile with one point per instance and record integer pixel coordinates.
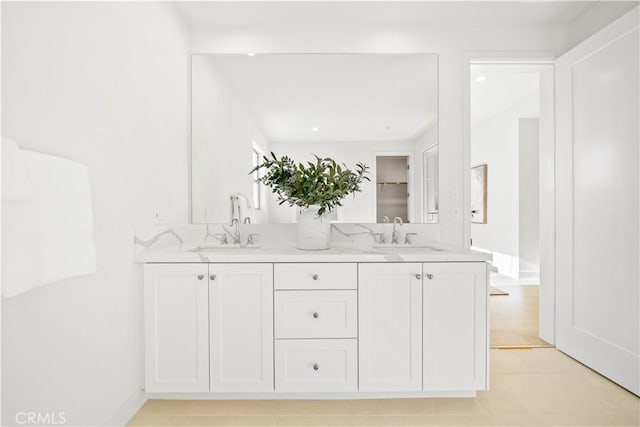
(600, 420)
(528, 387)
(375, 421)
(514, 317)
(197, 420)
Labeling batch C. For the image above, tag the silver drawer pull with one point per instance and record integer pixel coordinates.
(314, 277)
(418, 276)
(315, 367)
(200, 276)
(212, 277)
(316, 315)
(430, 276)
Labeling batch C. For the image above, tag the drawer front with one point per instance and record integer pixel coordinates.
(316, 365)
(316, 314)
(316, 276)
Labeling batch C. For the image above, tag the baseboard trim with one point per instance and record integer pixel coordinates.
(127, 410)
(310, 395)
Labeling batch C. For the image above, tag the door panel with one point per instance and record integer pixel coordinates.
(241, 319)
(455, 326)
(176, 328)
(390, 338)
(598, 202)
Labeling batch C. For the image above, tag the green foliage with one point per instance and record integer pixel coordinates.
(323, 183)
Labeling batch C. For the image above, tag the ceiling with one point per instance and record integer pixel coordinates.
(335, 97)
(201, 15)
(495, 88)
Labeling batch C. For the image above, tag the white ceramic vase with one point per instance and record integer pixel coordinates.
(314, 232)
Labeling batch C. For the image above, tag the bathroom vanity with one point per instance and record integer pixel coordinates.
(343, 323)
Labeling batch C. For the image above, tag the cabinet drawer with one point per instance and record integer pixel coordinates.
(316, 365)
(316, 276)
(316, 314)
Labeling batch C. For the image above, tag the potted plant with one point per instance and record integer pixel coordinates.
(316, 189)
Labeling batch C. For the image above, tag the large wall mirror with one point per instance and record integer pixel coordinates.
(378, 109)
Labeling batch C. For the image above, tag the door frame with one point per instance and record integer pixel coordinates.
(411, 217)
(547, 301)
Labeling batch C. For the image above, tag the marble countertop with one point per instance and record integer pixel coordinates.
(206, 252)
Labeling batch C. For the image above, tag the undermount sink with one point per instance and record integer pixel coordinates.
(218, 247)
(405, 247)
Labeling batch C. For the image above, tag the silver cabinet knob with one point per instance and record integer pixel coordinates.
(314, 277)
(212, 277)
(200, 276)
(316, 315)
(315, 367)
(418, 276)
(429, 276)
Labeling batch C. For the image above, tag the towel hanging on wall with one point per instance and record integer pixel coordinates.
(48, 237)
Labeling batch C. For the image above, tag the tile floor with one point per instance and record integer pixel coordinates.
(514, 317)
(534, 387)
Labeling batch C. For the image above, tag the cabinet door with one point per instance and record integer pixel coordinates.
(455, 326)
(176, 328)
(241, 322)
(390, 338)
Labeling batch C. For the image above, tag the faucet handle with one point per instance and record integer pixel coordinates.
(385, 219)
(250, 238)
(222, 238)
(247, 220)
(379, 238)
(407, 238)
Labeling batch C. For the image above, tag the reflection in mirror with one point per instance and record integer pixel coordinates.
(430, 185)
(378, 109)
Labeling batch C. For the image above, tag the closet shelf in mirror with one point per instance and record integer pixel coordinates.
(392, 182)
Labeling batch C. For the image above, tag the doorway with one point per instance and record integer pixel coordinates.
(511, 131)
(392, 187)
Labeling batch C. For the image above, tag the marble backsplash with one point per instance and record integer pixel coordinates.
(343, 235)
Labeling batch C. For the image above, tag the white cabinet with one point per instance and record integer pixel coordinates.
(316, 276)
(322, 365)
(390, 321)
(316, 314)
(176, 328)
(339, 327)
(241, 324)
(455, 326)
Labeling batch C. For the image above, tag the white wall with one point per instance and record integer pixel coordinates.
(451, 44)
(495, 142)
(222, 133)
(529, 200)
(104, 84)
(358, 209)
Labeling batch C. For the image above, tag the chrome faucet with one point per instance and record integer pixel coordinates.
(396, 234)
(235, 223)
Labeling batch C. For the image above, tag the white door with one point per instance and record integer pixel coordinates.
(241, 322)
(390, 321)
(598, 202)
(176, 328)
(455, 326)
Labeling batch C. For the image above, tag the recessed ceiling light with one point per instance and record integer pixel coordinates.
(387, 127)
(314, 129)
(481, 78)
(251, 54)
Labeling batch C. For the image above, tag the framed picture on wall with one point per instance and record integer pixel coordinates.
(479, 194)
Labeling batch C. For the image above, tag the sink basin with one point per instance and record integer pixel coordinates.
(407, 248)
(217, 247)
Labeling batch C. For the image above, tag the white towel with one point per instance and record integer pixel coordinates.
(245, 209)
(15, 184)
(50, 238)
